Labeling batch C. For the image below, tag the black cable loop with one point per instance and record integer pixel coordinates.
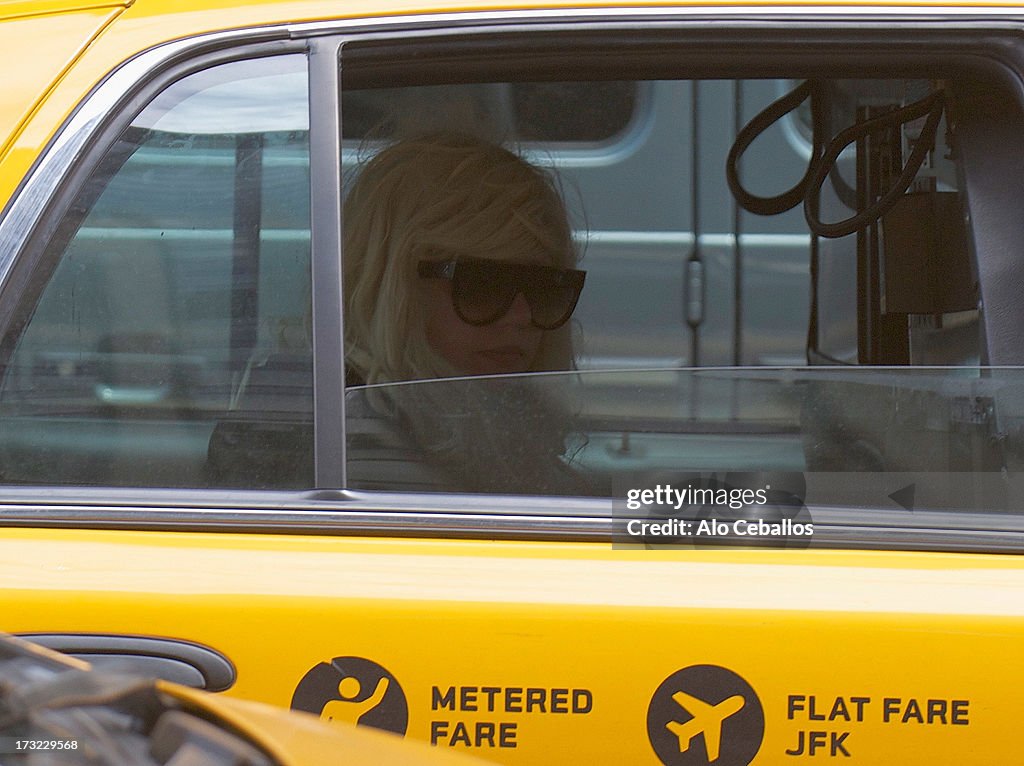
(823, 161)
(844, 192)
(933, 106)
(764, 120)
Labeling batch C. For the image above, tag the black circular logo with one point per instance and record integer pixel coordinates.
(705, 714)
(356, 691)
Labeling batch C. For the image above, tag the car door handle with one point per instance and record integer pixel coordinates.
(182, 662)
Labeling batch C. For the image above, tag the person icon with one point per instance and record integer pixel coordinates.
(348, 710)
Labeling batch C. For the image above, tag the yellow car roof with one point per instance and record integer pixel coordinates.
(13, 9)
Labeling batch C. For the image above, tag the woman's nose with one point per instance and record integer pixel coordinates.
(519, 312)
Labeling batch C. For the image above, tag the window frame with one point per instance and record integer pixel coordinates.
(329, 509)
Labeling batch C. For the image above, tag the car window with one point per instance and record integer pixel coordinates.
(167, 339)
(719, 333)
(167, 342)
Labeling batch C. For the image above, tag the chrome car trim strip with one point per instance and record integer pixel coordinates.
(621, 16)
(462, 516)
(479, 525)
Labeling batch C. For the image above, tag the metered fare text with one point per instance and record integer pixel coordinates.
(507, 706)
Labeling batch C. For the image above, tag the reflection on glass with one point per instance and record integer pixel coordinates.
(181, 279)
(856, 435)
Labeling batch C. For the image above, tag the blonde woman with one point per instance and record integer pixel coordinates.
(459, 263)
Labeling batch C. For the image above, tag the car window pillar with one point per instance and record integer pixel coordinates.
(327, 298)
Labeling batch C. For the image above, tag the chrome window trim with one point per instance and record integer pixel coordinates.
(498, 517)
(620, 15)
(478, 517)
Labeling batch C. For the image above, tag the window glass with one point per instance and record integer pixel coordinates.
(743, 339)
(170, 342)
(852, 436)
(570, 113)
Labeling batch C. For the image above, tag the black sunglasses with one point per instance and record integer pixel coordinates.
(483, 291)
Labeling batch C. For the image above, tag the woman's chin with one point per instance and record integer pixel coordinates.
(501, 361)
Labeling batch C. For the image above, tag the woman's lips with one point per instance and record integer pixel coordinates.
(506, 357)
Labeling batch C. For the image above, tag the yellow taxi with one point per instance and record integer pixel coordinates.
(57, 710)
(722, 466)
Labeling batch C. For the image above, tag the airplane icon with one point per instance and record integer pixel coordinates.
(707, 720)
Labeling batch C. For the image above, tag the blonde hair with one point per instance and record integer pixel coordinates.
(438, 194)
